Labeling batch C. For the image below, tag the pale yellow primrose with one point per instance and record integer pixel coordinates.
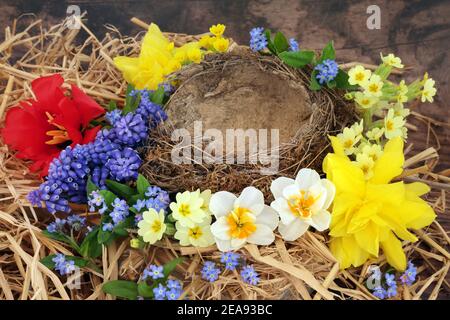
(152, 227)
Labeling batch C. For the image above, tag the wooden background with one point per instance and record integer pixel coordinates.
(416, 30)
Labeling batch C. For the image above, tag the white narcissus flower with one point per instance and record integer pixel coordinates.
(302, 202)
(241, 220)
(198, 236)
(152, 226)
(188, 209)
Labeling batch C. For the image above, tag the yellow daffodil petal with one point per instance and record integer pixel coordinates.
(362, 216)
(417, 188)
(389, 164)
(392, 248)
(347, 177)
(368, 238)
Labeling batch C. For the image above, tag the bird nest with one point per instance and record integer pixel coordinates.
(303, 269)
(243, 91)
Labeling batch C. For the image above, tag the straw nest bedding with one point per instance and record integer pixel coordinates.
(304, 269)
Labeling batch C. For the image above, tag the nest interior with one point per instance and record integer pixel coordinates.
(243, 90)
(304, 269)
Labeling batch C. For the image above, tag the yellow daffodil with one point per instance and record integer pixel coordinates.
(359, 76)
(392, 61)
(198, 236)
(217, 29)
(365, 101)
(206, 42)
(157, 59)
(242, 219)
(187, 209)
(373, 86)
(194, 55)
(393, 125)
(221, 44)
(152, 226)
(349, 138)
(302, 202)
(429, 91)
(375, 134)
(371, 214)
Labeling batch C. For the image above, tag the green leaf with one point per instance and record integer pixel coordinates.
(280, 42)
(297, 59)
(121, 228)
(108, 196)
(328, 52)
(112, 105)
(63, 238)
(103, 236)
(131, 102)
(122, 289)
(342, 81)
(157, 96)
(90, 247)
(142, 184)
(314, 84)
(90, 186)
(170, 266)
(270, 44)
(331, 84)
(145, 290)
(121, 190)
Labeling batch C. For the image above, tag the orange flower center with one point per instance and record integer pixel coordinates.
(300, 205)
(241, 223)
(57, 136)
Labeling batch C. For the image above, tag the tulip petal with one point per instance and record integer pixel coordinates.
(48, 92)
(87, 107)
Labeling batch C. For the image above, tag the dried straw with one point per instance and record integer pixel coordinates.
(303, 269)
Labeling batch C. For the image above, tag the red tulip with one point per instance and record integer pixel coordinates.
(39, 129)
